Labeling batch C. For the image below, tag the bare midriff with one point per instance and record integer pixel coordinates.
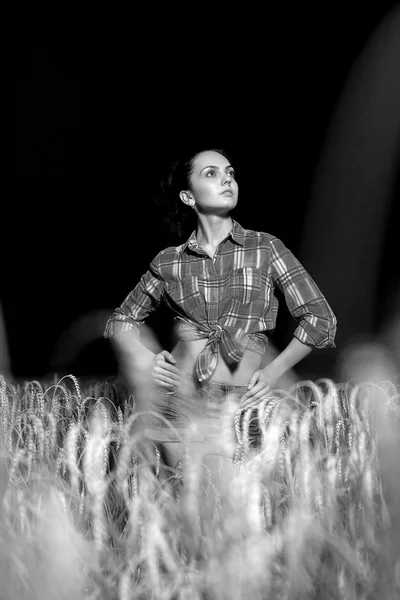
(186, 353)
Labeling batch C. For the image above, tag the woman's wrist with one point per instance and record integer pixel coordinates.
(275, 369)
(294, 352)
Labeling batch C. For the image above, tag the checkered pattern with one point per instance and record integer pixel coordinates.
(230, 299)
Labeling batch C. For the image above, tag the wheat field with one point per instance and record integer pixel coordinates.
(310, 514)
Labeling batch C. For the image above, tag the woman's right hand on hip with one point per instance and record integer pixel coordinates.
(165, 373)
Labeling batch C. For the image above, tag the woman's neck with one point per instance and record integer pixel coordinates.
(211, 230)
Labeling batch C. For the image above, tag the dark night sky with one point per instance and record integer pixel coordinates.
(96, 115)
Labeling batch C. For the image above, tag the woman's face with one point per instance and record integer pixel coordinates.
(213, 187)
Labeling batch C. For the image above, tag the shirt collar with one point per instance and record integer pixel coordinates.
(237, 233)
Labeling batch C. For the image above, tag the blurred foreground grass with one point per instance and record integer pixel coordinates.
(313, 513)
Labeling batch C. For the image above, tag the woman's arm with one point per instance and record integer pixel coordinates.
(265, 379)
(132, 341)
(294, 352)
(305, 301)
(316, 321)
(140, 368)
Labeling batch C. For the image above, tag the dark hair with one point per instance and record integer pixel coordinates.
(179, 217)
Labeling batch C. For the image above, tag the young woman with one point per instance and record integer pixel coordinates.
(221, 286)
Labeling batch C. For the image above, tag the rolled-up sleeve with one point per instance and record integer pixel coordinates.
(317, 323)
(139, 303)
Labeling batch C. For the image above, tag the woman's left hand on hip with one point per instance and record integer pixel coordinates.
(262, 381)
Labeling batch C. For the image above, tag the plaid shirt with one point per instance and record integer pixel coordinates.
(229, 299)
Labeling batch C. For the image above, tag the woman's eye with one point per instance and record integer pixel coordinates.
(231, 173)
(212, 173)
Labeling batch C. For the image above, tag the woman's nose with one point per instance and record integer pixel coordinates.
(227, 179)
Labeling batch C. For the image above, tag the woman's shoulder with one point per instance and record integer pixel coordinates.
(171, 253)
(260, 235)
(263, 239)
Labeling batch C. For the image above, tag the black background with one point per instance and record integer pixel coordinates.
(97, 107)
